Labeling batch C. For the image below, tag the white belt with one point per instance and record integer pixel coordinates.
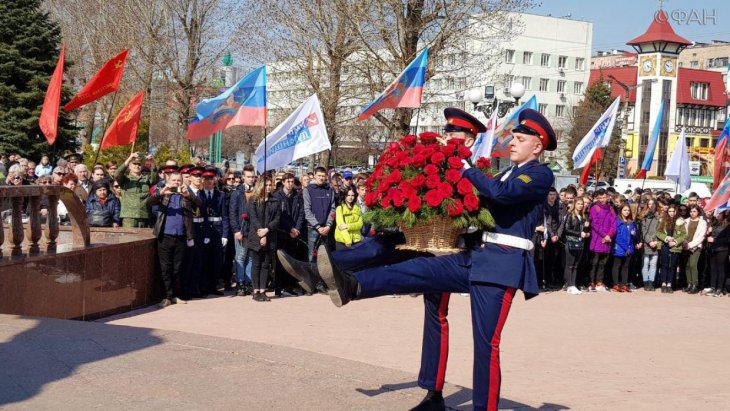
(198, 220)
(508, 240)
(215, 218)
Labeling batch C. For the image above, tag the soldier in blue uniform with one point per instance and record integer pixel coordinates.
(194, 259)
(491, 272)
(215, 231)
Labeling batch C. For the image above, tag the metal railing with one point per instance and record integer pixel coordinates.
(28, 199)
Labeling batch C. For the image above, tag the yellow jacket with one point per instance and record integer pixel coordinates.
(353, 218)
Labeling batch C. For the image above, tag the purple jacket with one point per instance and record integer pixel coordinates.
(603, 223)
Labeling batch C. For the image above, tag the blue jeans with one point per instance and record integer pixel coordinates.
(312, 236)
(243, 264)
(648, 270)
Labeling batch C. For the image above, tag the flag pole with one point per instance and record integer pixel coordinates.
(108, 117)
(418, 117)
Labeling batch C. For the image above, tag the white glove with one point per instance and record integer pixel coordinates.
(224, 241)
(466, 164)
(206, 240)
(191, 243)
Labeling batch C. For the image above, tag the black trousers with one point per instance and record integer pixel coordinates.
(621, 266)
(598, 266)
(718, 264)
(260, 267)
(282, 279)
(170, 252)
(572, 260)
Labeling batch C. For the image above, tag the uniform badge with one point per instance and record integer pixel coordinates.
(525, 178)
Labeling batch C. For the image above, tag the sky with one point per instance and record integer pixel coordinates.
(617, 21)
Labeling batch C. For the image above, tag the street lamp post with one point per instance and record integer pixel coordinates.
(476, 96)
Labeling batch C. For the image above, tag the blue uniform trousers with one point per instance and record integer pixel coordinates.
(490, 304)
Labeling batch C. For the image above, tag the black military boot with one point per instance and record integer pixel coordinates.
(342, 285)
(434, 401)
(305, 273)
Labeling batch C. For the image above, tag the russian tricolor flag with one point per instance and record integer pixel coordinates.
(244, 104)
(649, 155)
(405, 91)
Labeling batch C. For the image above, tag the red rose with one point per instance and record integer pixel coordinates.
(464, 152)
(448, 149)
(392, 162)
(386, 201)
(414, 204)
(453, 176)
(383, 186)
(464, 187)
(483, 162)
(456, 141)
(244, 216)
(431, 170)
(455, 163)
(433, 198)
(471, 202)
(393, 146)
(405, 162)
(419, 160)
(445, 189)
(417, 148)
(455, 208)
(438, 158)
(428, 136)
(406, 189)
(418, 181)
(409, 140)
(430, 149)
(394, 178)
(398, 201)
(433, 181)
(371, 199)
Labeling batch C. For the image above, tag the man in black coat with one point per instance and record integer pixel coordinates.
(290, 231)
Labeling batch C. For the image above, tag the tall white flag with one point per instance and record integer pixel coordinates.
(301, 134)
(598, 136)
(678, 166)
(485, 141)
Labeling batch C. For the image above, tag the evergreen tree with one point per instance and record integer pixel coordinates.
(29, 50)
(596, 101)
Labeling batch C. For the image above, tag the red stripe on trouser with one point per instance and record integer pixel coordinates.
(444, 352)
(494, 377)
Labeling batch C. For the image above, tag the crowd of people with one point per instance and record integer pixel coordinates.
(218, 230)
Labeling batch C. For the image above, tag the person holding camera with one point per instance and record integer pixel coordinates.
(174, 231)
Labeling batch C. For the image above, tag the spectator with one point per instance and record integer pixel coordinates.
(348, 220)
(30, 175)
(69, 181)
(696, 227)
(58, 174)
(573, 231)
(135, 189)
(319, 207)
(16, 175)
(306, 179)
(102, 207)
(111, 167)
(84, 186)
(264, 213)
(290, 230)
(98, 174)
(603, 229)
(239, 225)
(649, 225)
(623, 248)
(671, 233)
(174, 232)
(44, 168)
(718, 240)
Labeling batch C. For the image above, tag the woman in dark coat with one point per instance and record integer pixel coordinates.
(264, 213)
(103, 207)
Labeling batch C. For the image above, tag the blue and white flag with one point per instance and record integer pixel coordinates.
(485, 141)
(302, 134)
(598, 136)
(678, 166)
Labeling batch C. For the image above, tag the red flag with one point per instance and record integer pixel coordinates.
(49, 113)
(123, 130)
(720, 158)
(105, 81)
(597, 156)
(721, 195)
(640, 175)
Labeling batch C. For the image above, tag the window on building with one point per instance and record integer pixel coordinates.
(561, 86)
(450, 84)
(542, 108)
(527, 58)
(508, 80)
(544, 84)
(694, 64)
(680, 64)
(452, 59)
(699, 90)
(704, 142)
(562, 61)
(578, 87)
(527, 82)
(545, 60)
(509, 56)
(559, 110)
(579, 63)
